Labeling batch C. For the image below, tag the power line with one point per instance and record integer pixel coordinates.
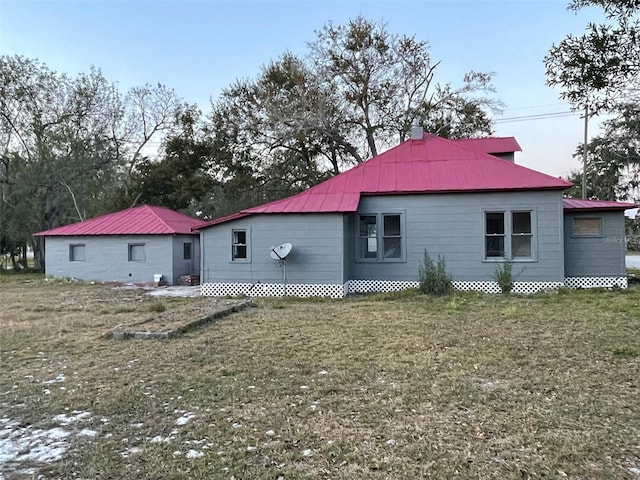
(529, 107)
(539, 116)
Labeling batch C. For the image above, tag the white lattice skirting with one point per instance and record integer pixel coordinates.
(271, 290)
(371, 286)
(595, 282)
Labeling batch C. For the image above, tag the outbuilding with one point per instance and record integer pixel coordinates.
(139, 245)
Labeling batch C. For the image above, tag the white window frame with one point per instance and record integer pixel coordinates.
(509, 235)
(184, 251)
(247, 245)
(380, 237)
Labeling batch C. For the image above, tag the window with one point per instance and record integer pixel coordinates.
(392, 237)
(380, 244)
(368, 237)
(77, 253)
(239, 245)
(186, 251)
(494, 234)
(509, 235)
(521, 235)
(136, 252)
(587, 227)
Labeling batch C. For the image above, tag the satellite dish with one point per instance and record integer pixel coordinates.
(281, 251)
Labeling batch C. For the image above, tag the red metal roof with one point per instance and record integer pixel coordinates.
(585, 204)
(143, 220)
(430, 165)
(228, 218)
(491, 144)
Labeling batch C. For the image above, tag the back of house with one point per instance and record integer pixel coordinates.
(368, 228)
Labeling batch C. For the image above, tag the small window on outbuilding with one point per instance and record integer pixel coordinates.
(587, 227)
(77, 253)
(186, 251)
(239, 245)
(136, 252)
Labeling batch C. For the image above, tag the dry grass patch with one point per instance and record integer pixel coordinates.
(389, 386)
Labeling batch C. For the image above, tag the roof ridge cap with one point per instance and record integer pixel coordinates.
(151, 208)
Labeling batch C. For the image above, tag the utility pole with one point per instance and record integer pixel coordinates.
(584, 151)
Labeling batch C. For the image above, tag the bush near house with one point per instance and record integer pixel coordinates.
(503, 276)
(433, 276)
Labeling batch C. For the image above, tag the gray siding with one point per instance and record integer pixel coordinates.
(509, 156)
(180, 265)
(348, 247)
(595, 256)
(317, 255)
(107, 258)
(452, 225)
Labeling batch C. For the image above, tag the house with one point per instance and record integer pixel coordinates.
(133, 245)
(367, 229)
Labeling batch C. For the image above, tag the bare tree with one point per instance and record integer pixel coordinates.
(385, 83)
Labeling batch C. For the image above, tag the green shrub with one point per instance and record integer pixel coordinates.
(434, 278)
(503, 276)
(157, 307)
(625, 352)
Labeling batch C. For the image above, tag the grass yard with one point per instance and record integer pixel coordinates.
(390, 386)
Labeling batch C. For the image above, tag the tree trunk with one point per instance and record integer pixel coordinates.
(14, 262)
(23, 249)
(38, 253)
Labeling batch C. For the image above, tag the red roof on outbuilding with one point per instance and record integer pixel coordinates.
(143, 220)
(594, 205)
(430, 165)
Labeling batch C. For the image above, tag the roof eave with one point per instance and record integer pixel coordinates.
(76, 234)
(598, 209)
(477, 190)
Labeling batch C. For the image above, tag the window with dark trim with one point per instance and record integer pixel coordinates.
(186, 251)
(521, 235)
(77, 253)
(587, 227)
(136, 252)
(380, 237)
(494, 234)
(391, 237)
(239, 245)
(509, 234)
(368, 240)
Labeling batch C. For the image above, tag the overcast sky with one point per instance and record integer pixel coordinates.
(200, 47)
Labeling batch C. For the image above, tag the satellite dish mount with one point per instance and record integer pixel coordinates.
(280, 254)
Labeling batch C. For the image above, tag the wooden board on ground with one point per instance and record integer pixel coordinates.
(169, 324)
